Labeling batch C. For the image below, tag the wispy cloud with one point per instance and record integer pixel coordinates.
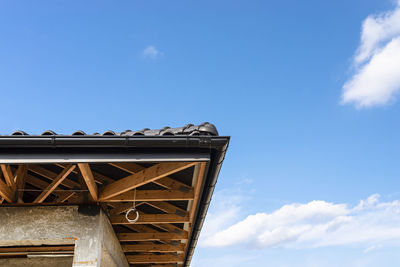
(376, 78)
(151, 52)
(369, 225)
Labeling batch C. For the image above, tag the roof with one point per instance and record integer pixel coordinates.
(189, 129)
(198, 145)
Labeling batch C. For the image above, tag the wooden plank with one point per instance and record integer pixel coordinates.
(166, 182)
(123, 207)
(128, 167)
(170, 183)
(5, 192)
(152, 195)
(52, 175)
(98, 177)
(153, 248)
(167, 208)
(151, 219)
(37, 249)
(169, 228)
(20, 179)
(143, 177)
(142, 228)
(89, 179)
(197, 190)
(53, 185)
(145, 259)
(61, 196)
(128, 237)
(65, 196)
(8, 176)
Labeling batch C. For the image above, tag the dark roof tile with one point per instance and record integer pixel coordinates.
(189, 129)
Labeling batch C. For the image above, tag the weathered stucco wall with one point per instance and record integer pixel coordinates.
(86, 227)
(37, 262)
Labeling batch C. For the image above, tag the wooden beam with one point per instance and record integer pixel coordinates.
(52, 175)
(167, 208)
(5, 192)
(128, 167)
(166, 182)
(37, 249)
(152, 195)
(151, 219)
(128, 237)
(20, 179)
(143, 177)
(197, 190)
(154, 248)
(169, 228)
(146, 259)
(8, 175)
(53, 185)
(98, 177)
(89, 179)
(119, 208)
(61, 196)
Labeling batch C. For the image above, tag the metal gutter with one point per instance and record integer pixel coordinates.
(216, 142)
(211, 180)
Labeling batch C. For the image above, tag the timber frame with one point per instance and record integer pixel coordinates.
(171, 178)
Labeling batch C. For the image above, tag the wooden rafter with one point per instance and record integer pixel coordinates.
(89, 179)
(154, 248)
(142, 228)
(145, 259)
(151, 236)
(152, 195)
(196, 199)
(20, 180)
(151, 219)
(143, 177)
(167, 207)
(53, 185)
(169, 228)
(61, 196)
(37, 249)
(5, 192)
(166, 182)
(119, 208)
(52, 175)
(98, 177)
(8, 175)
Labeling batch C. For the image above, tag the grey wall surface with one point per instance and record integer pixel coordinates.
(37, 262)
(89, 229)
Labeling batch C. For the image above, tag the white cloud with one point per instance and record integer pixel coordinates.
(376, 78)
(151, 52)
(370, 224)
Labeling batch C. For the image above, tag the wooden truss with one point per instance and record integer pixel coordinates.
(166, 204)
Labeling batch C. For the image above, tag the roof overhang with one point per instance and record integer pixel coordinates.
(107, 155)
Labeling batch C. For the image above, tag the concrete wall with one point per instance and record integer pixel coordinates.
(86, 227)
(37, 262)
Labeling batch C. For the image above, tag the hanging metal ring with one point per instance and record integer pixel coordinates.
(127, 215)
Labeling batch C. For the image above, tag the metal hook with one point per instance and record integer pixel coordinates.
(133, 210)
(127, 215)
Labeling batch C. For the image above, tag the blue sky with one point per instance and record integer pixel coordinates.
(306, 89)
